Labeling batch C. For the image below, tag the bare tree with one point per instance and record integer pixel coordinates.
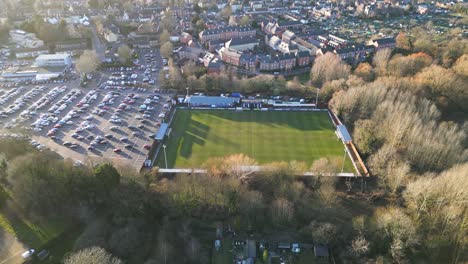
(403, 41)
(238, 166)
(92, 255)
(88, 62)
(164, 37)
(282, 211)
(461, 66)
(365, 71)
(166, 49)
(328, 67)
(380, 61)
(245, 21)
(323, 233)
(226, 12)
(439, 201)
(359, 246)
(393, 223)
(125, 53)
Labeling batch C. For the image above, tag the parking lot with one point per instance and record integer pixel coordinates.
(82, 123)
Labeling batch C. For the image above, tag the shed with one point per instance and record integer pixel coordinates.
(343, 134)
(251, 248)
(321, 251)
(282, 245)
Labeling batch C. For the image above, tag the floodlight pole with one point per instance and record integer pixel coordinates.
(187, 97)
(165, 157)
(316, 98)
(344, 158)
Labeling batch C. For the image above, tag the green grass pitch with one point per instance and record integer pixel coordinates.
(266, 137)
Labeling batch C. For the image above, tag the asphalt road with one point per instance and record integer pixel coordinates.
(98, 46)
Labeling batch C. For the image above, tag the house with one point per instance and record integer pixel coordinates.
(242, 44)
(248, 62)
(423, 9)
(269, 27)
(307, 45)
(362, 51)
(214, 67)
(290, 25)
(111, 33)
(23, 39)
(185, 38)
(287, 61)
(190, 53)
(284, 47)
(226, 33)
(147, 28)
(186, 24)
(383, 43)
(214, 45)
(269, 63)
(273, 41)
(303, 58)
(23, 53)
(288, 36)
(256, 4)
(208, 58)
(346, 53)
(339, 40)
(230, 56)
(71, 45)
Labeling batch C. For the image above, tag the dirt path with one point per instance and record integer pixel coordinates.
(10, 249)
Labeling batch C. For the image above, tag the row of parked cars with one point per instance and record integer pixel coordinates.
(4, 98)
(66, 100)
(75, 113)
(22, 100)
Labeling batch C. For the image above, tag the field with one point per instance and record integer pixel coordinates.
(266, 137)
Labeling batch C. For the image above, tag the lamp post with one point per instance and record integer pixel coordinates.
(316, 98)
(165, 157)
(187, 97)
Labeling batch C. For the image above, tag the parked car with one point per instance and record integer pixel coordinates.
(27, 254)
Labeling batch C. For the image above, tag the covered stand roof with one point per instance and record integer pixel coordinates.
(343, 134)
(162, 131)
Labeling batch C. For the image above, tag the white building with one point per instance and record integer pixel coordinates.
(54, 60)
(16, 74)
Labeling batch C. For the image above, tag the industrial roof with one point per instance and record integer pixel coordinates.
(53, 56)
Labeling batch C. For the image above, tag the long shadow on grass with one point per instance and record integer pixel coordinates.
(195, 133)
(304, 121)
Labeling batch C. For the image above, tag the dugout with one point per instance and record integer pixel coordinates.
(252, 103)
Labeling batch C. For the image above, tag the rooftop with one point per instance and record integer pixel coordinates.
(212, 100)
(53, 56)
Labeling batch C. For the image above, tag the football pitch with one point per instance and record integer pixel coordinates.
(271, 136)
